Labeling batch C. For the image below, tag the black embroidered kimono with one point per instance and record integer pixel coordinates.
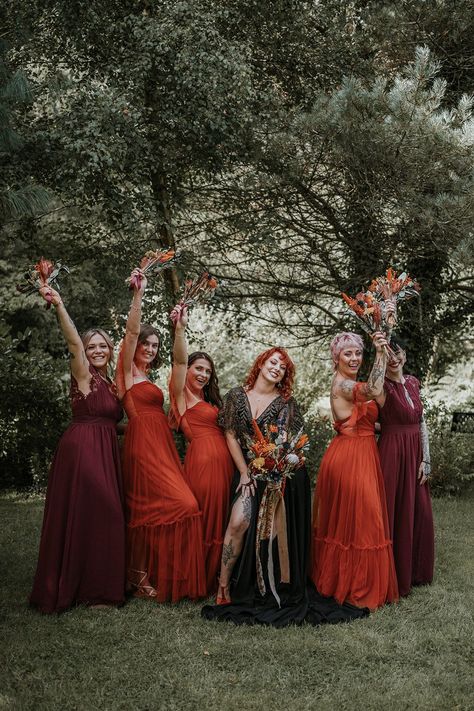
(298, 600)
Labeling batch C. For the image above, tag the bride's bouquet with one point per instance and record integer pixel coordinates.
(273, 455)
(370, 307)
(44, 273)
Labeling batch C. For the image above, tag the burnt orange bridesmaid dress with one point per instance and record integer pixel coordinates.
(164, 523)
(208, 470)
(352, 551)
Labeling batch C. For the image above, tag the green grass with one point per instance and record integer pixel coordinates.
(414, 655)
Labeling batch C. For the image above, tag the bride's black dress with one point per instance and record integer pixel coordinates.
(299, 600)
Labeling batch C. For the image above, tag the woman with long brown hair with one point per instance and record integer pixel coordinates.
(275, 591)
(82, 549)
(164, 523)
(208, 467)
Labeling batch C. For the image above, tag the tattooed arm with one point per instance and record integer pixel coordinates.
(425, 466)
(79, 362)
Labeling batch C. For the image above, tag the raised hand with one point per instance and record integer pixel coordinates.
(50, 295)
(137, 281)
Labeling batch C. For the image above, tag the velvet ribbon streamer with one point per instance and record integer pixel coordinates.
(271, 524)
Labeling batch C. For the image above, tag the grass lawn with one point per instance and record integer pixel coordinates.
(414, 655)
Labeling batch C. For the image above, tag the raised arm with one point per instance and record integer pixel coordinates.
(132, 330)
(79, 362)
(180, 359)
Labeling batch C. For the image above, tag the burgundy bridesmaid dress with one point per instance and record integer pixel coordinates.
(409, 504)
(82, 549)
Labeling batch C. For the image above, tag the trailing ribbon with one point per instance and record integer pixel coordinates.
(271, 524)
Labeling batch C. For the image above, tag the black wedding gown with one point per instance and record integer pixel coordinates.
(299, 600)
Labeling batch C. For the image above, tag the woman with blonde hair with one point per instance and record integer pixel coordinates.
(82, 549)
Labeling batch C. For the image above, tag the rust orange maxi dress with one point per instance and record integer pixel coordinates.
(352, 551)
(208, 470)
(164, 523)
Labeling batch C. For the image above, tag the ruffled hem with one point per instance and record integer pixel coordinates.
(169, 557)
(361, 576)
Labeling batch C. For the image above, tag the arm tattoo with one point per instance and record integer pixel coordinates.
(228, 554)
(374, 384)
(425, 445)
(347, 386)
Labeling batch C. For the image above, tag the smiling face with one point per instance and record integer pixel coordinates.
(146, 351)
(397, 361)
(98, 351)
(274, 368)
(199, 374)
(350, 360)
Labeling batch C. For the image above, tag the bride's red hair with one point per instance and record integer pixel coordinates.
(285, 386)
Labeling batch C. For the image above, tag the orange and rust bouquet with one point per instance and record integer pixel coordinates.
(199, 289)
(370, 307)
(43, 273)
(273, 455)
(153, 262)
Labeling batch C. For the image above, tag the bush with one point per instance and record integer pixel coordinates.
(34, 411)
(452, 453)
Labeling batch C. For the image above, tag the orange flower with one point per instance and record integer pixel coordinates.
(166, 256)
(44, 269)
(302, 441)
(273, 428)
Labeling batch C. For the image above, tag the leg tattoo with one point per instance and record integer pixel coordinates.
(228, 553)
(247, 508)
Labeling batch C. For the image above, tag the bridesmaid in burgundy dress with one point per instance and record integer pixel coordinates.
(82, 549)
(405, 460)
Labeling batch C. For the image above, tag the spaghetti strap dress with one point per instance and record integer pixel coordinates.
(82, 549)
(352, 550)
(410, 513)
(253, 601)
(164, 523)
(208, 470)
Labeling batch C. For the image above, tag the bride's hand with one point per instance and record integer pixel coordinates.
(246, 485)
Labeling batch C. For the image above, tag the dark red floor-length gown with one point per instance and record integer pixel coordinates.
(82, 548)
(409, 504)
(352, 551)
(164, 523)
(208, 470)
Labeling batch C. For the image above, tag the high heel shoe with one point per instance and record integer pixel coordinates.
(143, 587)
(223, 595)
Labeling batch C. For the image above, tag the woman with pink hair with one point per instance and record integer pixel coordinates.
(352, 551)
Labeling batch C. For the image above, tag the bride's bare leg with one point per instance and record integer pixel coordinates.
(233, 539)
